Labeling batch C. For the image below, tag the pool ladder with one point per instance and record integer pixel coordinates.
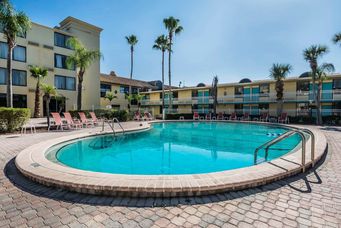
(111, 124)
(300, 132)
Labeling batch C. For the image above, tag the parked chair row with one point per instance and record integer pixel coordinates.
(147, 116)
(73, 123)
(264, 117)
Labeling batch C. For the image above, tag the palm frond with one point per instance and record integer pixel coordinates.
(280, 71)
(132, 40)
(314, 52)
(337, 38)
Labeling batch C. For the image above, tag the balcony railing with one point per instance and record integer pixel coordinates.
(299, 96)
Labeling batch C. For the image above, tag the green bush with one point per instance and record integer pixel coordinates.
(12, 119)
(121, 115)
(187, 116)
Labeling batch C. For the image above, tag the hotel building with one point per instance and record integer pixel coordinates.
(252, 97)
(47, 47)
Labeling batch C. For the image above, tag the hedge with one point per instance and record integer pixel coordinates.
(12, 119)
(121, 115)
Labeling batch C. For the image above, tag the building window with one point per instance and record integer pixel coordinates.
(104, 89)
(263, 107)
(3, 76)
(19, 101)
(337, 84)
(60, 62)
(19, 78)
(264, 89)
(64, 82)
(303, 109)
(124, 89)
(19, 52)
(303, 87)
(60, 40)
(238, 90)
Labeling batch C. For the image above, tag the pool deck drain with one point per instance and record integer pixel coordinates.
(52, 174)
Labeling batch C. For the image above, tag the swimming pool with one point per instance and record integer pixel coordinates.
(171, 148)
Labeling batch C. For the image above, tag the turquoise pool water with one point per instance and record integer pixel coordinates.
(175, 148)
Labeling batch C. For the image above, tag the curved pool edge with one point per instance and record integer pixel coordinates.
(33, 164)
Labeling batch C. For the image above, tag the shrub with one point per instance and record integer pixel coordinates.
(187, 116)
(12, 119)
(121, 115)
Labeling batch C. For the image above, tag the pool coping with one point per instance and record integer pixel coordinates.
(33, 164)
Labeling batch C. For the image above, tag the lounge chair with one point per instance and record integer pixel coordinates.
(246, 116)
(208, 116)
(283, 118)
(94, 118)
(71, 123)
(58, 122)
(233, 116)
(137, 116)
(85, 122)
(147, 116)
(196, 116)
(220, 116)
(264, 117)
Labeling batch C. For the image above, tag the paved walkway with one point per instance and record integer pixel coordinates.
(313, 199)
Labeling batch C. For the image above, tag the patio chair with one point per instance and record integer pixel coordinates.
(148, 116)
(233, 116)
(196, 116)
(71, 122)
(85, 122)
(246, 116)
(58, 122)
(283, 118)
(264, 117)
(220, 116)
(94, 118)
(208, 116)
(137, 116)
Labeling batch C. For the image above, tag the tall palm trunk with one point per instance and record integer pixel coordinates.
(163, 81)
(37, 101)
(313, 66)
(131, 66)
(9, 74)
(279, 95)
(79, 91)
(169, 72)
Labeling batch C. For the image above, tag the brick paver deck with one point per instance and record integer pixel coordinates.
(312, 199)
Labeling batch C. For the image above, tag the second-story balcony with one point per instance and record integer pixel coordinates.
(299, 96)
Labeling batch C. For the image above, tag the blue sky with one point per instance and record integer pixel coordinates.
(229, 38)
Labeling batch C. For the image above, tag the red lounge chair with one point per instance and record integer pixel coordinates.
(220, 116)
(70, 122)
(58, 122)
(196, 116)
(148, 116)
(94, 118)
(208, 116)
(137, 116)
(283, 118)
(233, 116)
(84, 120)
(264, 117)
(246, 116)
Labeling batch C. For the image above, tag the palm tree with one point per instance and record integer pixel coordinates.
(162, 43)
(279, 72)
(321, 74)
(48, 92)
(38, 73)
(311, 55)
(215, 94)
(337, 38)
(138, 98)
(12, 23)
(132, 41)
(174, 28)
(81, 59)
(110, 96)
(129, 97)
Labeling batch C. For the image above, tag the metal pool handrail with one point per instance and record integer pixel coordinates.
(284, 136)
(111, 125)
